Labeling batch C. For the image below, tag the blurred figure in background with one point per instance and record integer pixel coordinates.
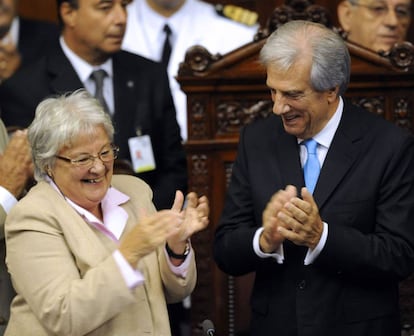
(189, 22)
(375, 24)
(22, 40)
(16, 170)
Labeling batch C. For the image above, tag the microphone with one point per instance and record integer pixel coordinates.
(208, 328)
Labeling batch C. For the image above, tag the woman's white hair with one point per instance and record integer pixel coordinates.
(59, 121)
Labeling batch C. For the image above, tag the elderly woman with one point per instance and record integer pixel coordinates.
(87, 251)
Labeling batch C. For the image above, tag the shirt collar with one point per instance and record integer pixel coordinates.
(13, 33)
(111, 201)
(83, 68)
(115, 217)
(155, 21)
(325, 136)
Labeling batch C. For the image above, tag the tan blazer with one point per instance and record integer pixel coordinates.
(67, 281)
(4, 139)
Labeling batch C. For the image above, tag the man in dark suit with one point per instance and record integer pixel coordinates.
(327, 261)
(135, 89)
(22, 40)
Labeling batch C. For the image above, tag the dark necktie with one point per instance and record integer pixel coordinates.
(98, 77)
(311, 167)
(166, 50)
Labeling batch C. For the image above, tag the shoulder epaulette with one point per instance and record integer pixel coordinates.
(238, 14)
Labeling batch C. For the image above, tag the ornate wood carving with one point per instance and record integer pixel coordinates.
(373, 104)
(298, 10)
(402, 112)
(198, 118)
(231, 115)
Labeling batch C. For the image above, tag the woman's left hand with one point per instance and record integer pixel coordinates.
(195, 212)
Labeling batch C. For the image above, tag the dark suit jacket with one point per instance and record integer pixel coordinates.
(365, 193)
(34, 38)
(142, 100)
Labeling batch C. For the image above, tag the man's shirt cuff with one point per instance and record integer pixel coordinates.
(278, 254)
(313, 254)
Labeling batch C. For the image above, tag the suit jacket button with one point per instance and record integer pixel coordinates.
(302, 284)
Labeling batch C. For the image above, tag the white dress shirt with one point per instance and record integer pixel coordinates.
(84, 70)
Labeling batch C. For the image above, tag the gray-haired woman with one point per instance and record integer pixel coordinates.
(87, 251)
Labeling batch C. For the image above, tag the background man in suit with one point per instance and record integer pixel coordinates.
(135, 89)
(327, 261)
(375, 24)
(16, 170)
(21, 40)
(191, 22)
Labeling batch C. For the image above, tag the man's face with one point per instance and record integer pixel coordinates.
(95, 29)
(304, 111)
(8, 10)
(377, 24)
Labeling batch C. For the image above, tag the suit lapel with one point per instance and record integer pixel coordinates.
(3, 138)
(285, 159)
(25, 37)
(342, 155)
(125, 99)
(290, 168)
(63, 77)
(124, 83)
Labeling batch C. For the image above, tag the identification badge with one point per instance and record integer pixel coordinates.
(142, 156)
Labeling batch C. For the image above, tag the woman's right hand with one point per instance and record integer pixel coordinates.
(151, 232)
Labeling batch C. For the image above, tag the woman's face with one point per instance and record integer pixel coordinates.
(85, 185)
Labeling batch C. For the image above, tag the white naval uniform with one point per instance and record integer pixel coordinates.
(196, 23)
